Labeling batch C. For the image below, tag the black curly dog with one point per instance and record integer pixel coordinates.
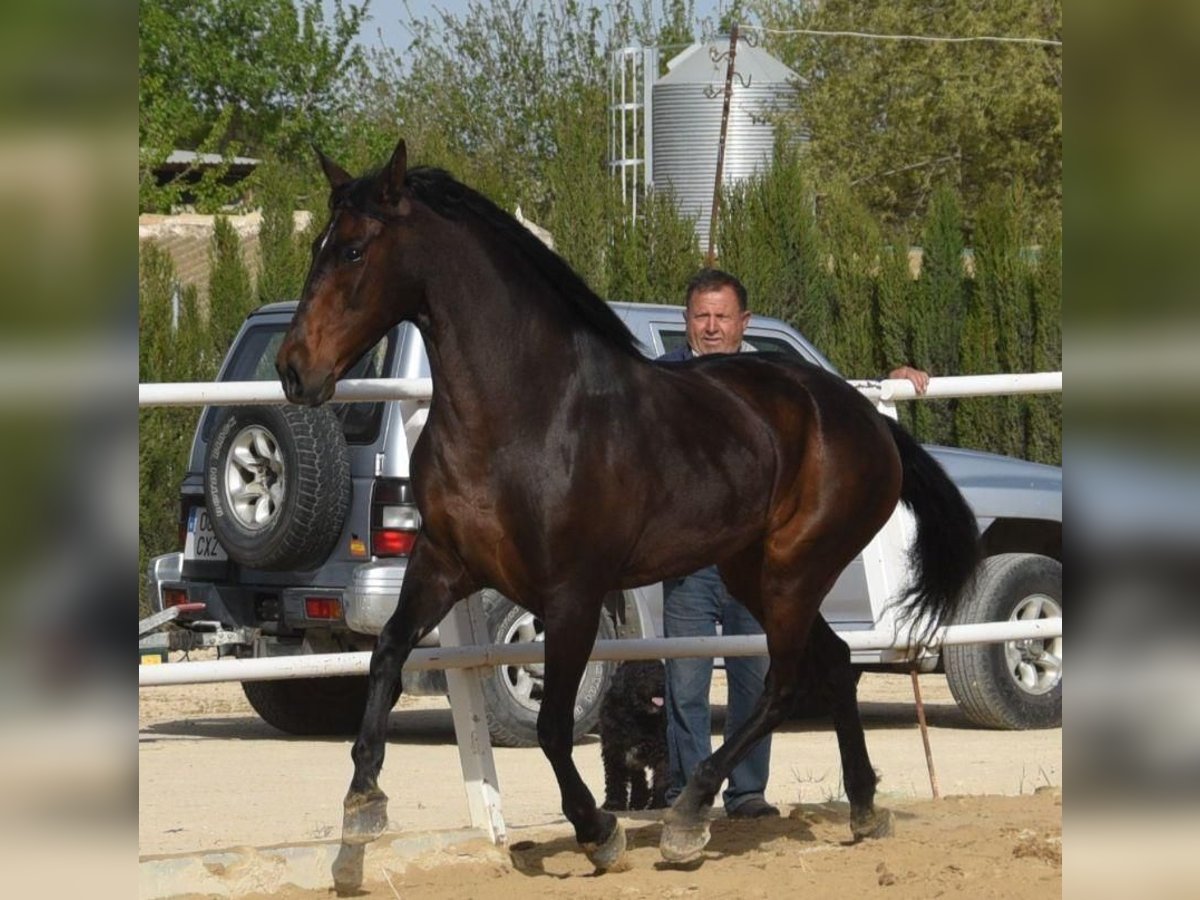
(633, 737)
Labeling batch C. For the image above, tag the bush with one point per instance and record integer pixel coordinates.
(166, 352)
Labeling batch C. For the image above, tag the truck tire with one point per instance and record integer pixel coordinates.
(1018, 684)
(513, 693)
(277, 485)
(310, 706)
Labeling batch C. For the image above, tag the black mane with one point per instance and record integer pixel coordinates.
(452, 199)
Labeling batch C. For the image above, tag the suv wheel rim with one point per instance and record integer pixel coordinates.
(254, 477)
(1036, 663)
(524, 683)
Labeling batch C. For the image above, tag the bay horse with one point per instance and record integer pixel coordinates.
(558, 463)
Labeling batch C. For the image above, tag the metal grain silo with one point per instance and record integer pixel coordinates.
(686, 119)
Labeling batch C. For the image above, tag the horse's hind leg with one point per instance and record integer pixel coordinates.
(830, 673)
(685, 827)
(571, 624)
(785, 596)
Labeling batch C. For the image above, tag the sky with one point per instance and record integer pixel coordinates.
(385, 17)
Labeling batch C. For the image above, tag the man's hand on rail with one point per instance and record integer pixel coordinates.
(919, 379)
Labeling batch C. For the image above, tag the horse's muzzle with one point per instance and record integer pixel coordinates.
(311, 393)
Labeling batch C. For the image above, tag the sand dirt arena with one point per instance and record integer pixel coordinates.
(213, 777)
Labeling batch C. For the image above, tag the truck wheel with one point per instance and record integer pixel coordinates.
(310, 706)
(514, 693)
(277, 484)
(1018, 684)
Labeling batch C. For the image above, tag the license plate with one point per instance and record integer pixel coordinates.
(201, 542)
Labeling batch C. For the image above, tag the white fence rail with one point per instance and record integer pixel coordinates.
(488, 656)
(234, 393)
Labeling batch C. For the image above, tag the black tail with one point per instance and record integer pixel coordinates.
(946, 552)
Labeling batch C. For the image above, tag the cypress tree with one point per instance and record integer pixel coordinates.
(1001, 279)
(893, 300)
(283, 256)
(938, 311)
(165, 353)
(976, 421)
(853, 246)
(230, 296)
(1045, 411)
(768, 238)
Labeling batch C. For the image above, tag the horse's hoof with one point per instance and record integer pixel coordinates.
(364, 818)
(609, 856)
(879, 823)
(348, 870)
(683, 843)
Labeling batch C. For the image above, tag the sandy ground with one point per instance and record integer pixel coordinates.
(212, 775)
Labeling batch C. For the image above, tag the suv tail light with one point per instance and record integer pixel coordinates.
(394, 518)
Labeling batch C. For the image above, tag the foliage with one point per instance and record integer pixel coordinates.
(1044, 427)
(853, 244)
(654, 255)
(896, 118)
(249, 77)
(768, 237)
(284, 252)
(483, 92)
(832, 272)
(938, 307)
(164, 354)
(189, 349)
(1001, 279)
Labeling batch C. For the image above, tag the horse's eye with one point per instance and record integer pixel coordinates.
(352, 254)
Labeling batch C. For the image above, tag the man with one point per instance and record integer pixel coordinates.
(717, 315)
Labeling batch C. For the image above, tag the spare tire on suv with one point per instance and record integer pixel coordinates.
(277, 484)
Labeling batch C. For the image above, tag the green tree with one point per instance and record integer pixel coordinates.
(484, 92)
(654, 255)
(284, 253)
(239, 77)
(768, 237)
(938, 309)
(1045, 412)
(230, 294)
(897, 118)
(894, 332)
(168, 350)
(893, 300)
(854, 247)
(579, 196)
(1001, 286)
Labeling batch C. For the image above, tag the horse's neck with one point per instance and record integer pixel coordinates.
(496, 357)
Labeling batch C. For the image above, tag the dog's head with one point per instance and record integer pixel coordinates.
(645, 687)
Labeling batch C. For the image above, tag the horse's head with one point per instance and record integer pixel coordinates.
(357, 287)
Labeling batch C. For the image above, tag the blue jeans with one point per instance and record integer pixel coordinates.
(692, 607)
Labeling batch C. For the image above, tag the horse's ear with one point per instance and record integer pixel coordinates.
(392, 178)
(336, 175)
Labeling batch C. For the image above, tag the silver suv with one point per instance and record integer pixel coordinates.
(296, 524)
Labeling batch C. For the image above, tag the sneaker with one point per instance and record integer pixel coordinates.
(754, 808)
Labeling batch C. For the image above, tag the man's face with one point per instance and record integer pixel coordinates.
(715, 323)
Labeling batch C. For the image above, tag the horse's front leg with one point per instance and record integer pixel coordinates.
(433, 583)
(570, 635)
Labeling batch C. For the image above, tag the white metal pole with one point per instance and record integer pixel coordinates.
(240, 393)
(328, 664)
(373, 390)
